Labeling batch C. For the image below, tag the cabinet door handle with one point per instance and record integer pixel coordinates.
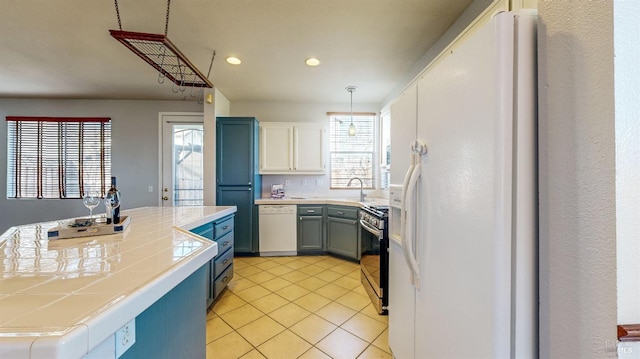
(225, 261)
(225, 227)
(311, 211)
(340, 212)
(226, 243)
(301, 218)
(225, 279)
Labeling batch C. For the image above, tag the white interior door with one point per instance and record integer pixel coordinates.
(182, 143)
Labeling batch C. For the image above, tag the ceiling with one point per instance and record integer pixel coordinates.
(62, 49)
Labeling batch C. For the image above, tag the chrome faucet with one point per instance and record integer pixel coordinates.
(362, 195)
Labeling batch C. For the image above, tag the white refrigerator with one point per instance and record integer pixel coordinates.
(463, 207)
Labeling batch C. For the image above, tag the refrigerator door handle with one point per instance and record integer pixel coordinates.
(404, 217)
(411, 222)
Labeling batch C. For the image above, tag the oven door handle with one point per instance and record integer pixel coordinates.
(376, 232)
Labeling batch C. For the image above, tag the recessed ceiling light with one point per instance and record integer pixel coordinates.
(312, 61)
(233, 60)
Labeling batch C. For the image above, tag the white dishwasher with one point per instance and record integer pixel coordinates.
(278, 231)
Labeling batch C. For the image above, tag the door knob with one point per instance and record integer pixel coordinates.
(165, 198)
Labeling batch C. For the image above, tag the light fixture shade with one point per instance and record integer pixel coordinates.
(352, 129)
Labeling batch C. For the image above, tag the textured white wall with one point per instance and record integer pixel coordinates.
(627, 76)
(577, 180)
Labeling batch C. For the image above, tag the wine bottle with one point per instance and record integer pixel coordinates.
(113, 196)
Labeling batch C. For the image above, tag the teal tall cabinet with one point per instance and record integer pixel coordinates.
(237, 180)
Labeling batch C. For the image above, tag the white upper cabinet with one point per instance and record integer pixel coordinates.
(276, 147)
(292, 148)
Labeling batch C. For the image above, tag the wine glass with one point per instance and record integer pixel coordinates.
(112, 201)
(90, 199)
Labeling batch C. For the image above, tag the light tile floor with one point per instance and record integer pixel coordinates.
(295, 307)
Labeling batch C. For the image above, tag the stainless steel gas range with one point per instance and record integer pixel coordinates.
(374, 262)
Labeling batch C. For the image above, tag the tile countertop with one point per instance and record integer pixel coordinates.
(353, 202)
(61, 298)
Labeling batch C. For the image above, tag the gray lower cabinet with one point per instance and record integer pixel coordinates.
(220, 268)
(310, 228)
(343, 231)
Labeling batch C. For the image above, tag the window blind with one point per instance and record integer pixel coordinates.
(352, 156)
(57, 157)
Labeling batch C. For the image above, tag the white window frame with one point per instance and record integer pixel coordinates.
(365, 146)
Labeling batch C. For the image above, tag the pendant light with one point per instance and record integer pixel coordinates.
(352, 127)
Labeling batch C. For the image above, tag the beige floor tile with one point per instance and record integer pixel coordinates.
(252, 260)
(289, 314)
(238, 284)
(343, 269)
(336, 313)
(284, 259)
(312, 259)
(211, 314)
(371, 312)
(360, 289)
(241, 316)
(230, 346)
(355, 274)
(354, 301)
(312, 302)
(280, 270)
(326, 293)
(326, 264)
(269, 303)
(313, 328)
(328, 275)
(347, 282)
(312, 283)
(364, 327)
(217, 328)
(260, 330)
(292, 292)
(276, 284)
(239, 264)
(342, 344)
(374, 353)
(294, 276)
(311, 270)
(331, 291)
(228, 302)
(254, 354)
(297, 264)
(314, 353)
(253, 293)
(247, 271)
(285, 345)
(267, 265)
(382, 341)
(260, 277)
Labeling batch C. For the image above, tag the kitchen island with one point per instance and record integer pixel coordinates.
(67, 298)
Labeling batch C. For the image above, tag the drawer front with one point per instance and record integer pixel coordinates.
(342, 212)
(310, 210)
(224, 227)
(225, 242)
(222, 281)
(222, 262)
(205, 230)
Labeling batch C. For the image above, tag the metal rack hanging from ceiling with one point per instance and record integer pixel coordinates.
(159, 52)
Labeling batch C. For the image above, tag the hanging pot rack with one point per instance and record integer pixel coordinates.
(159, 52)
